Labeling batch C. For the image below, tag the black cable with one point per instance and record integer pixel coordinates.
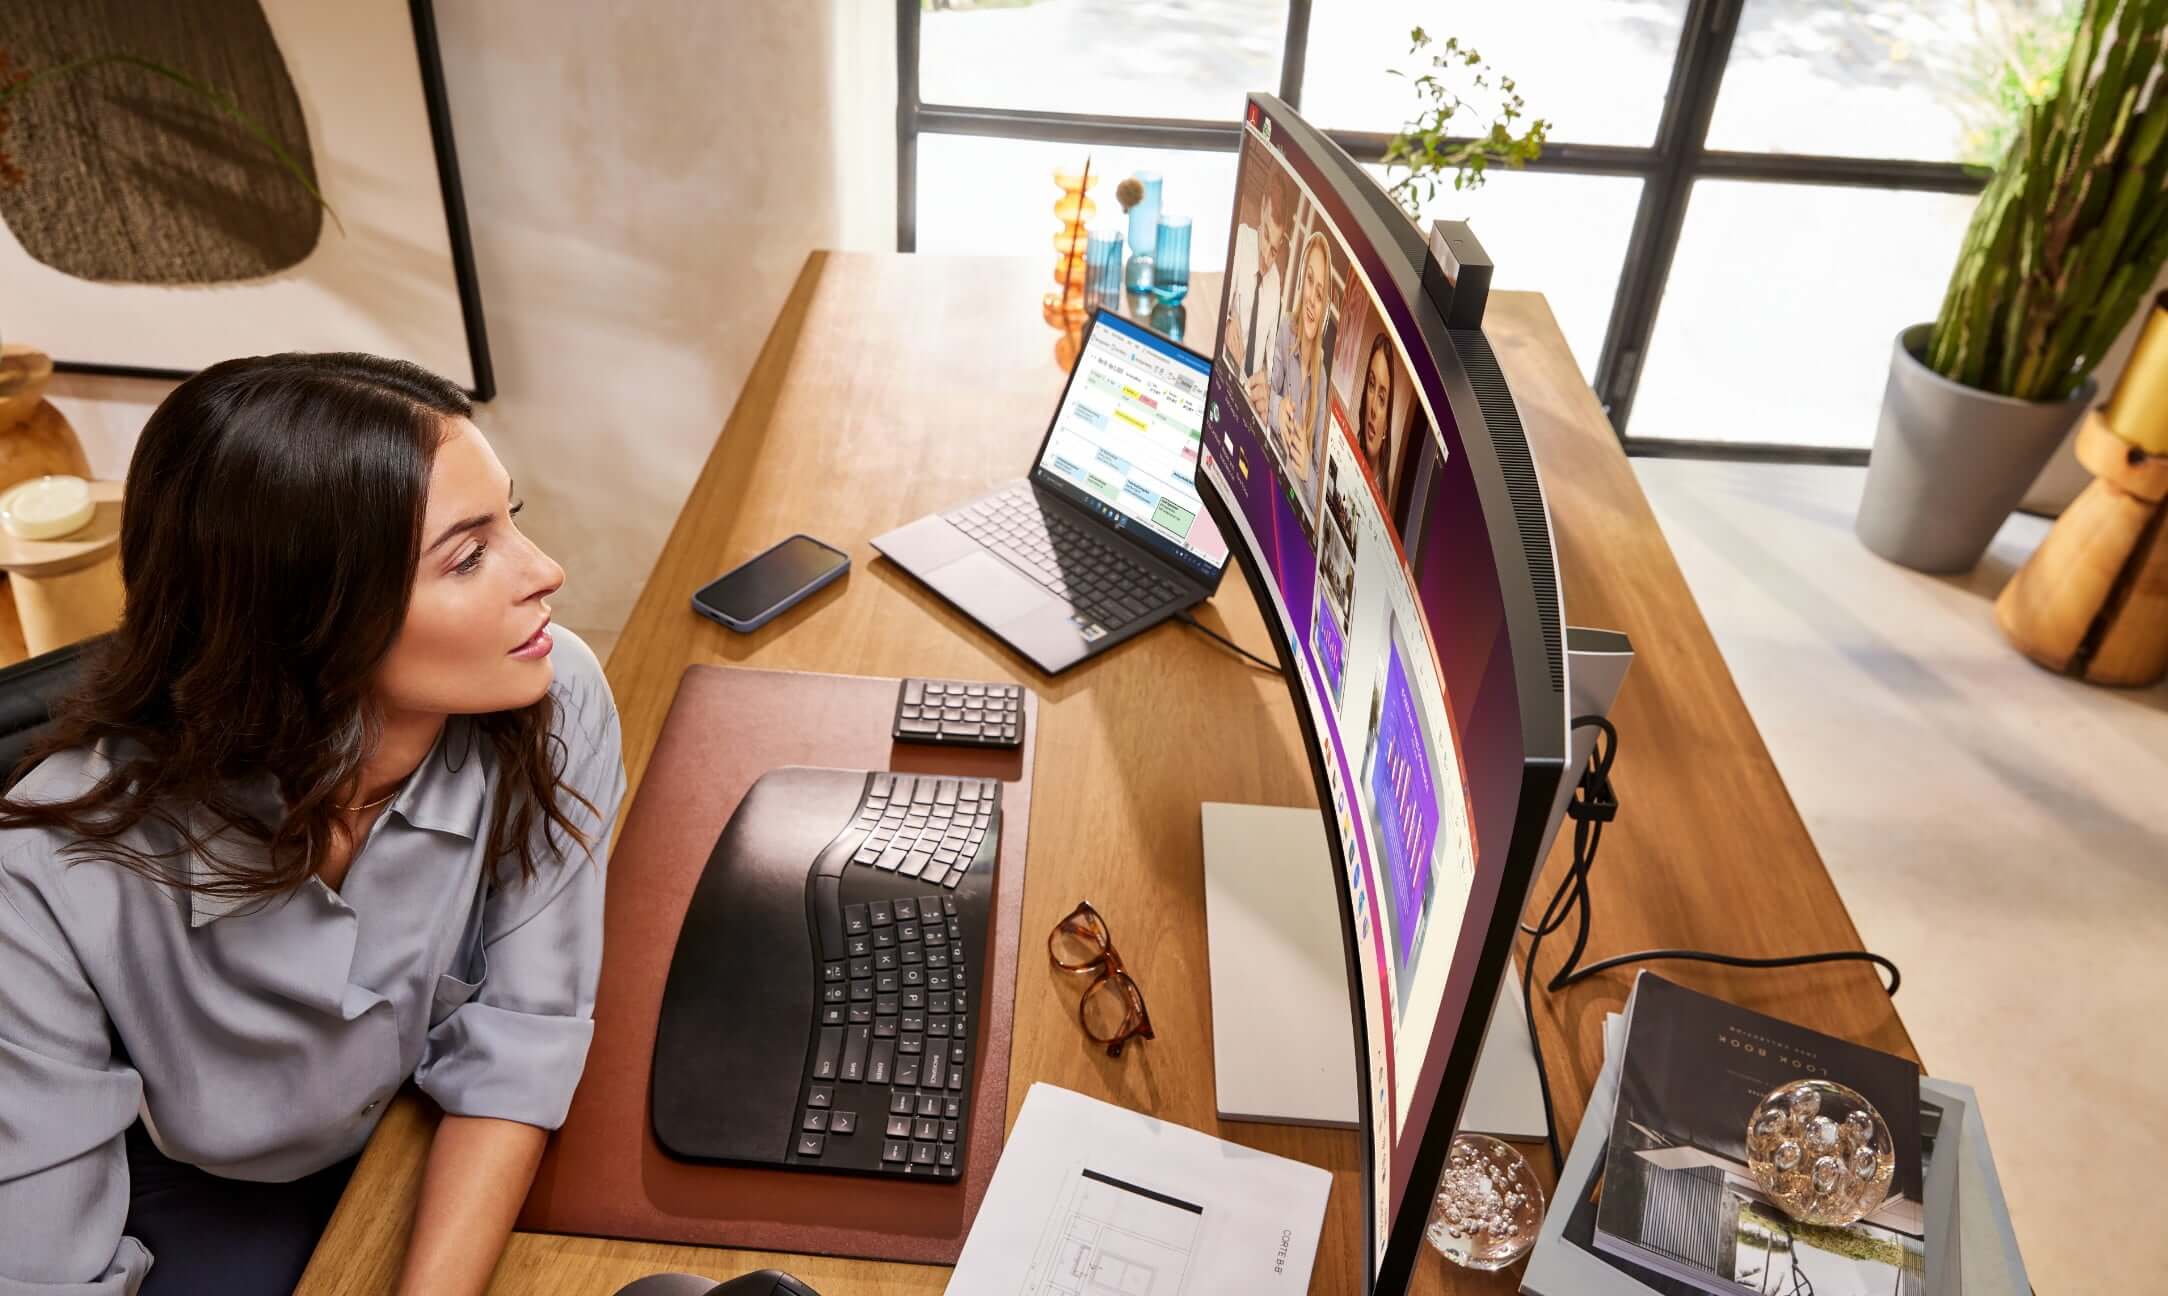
(1193, 623)
(1593, 806)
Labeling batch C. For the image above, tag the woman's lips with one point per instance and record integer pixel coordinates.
(538, 644)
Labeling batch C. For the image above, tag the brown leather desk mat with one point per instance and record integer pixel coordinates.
(603, 1174)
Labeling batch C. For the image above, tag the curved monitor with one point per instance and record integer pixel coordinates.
(1364, 462)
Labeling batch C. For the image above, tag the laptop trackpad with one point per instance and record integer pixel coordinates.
(988, 588)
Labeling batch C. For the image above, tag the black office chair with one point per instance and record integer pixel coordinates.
(761, 1282)
(28, 691)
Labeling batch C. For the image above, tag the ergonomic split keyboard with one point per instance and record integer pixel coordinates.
(1105, 587)
(876, 1078)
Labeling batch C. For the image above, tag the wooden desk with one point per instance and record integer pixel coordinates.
(891, 386)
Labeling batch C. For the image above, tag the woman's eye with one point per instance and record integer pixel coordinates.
(472, 560)
(517, 507)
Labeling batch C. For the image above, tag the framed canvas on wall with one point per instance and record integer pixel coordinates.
(150, 232)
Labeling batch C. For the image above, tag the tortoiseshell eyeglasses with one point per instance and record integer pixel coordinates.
(1112, 1010)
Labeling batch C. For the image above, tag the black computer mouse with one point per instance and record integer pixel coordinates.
(761, 1282)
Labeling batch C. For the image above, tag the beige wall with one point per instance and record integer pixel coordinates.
(643, 181)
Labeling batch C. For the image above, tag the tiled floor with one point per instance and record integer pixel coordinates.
(2000, 832)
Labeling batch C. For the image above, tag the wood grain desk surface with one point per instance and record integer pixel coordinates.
(892, 386)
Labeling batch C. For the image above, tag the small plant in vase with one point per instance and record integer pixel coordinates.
(1450, 138)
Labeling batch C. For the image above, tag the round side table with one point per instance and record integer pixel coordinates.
(68, 590)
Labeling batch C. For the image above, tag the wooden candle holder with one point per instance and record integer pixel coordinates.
(2092, 601)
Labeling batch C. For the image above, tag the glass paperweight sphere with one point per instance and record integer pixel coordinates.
(1821, 1152)
(1488, 1206)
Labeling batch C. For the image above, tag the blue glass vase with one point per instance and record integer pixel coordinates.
(1170, 260)
(1103, 269)
(1144, 217)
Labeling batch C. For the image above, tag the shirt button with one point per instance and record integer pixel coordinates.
(370, 1107)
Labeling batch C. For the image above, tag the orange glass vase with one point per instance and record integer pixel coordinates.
(1064, 307)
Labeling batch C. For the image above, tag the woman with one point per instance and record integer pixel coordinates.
(1377, 413)
(1298, 375)
(328, 812)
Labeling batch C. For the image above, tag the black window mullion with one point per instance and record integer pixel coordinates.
(1696, 75)
(1295, 55)
(907, 125)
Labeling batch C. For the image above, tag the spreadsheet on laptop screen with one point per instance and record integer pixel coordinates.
(1128, 432)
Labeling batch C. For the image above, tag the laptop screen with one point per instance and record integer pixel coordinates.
(1124, 442)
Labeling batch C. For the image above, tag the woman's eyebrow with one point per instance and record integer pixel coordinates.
(466, 524)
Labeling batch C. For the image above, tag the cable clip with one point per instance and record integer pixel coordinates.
(1596, 804)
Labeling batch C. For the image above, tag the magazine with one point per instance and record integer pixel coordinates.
(1677, 1198)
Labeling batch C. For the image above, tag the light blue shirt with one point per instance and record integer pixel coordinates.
(261, 1040)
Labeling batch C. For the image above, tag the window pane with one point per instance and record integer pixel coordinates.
(1561, 235)
(1765, 336)
(1596, 69)
(1927, 80)
(1193, 59)
(997, 195)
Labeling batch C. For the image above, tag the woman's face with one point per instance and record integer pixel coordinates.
(475, 639)
(1316, 273)
(1377, 406)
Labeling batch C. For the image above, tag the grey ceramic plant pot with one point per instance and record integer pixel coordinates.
(1950, 463)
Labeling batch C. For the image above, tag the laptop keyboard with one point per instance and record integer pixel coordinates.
(1105, 587)
(890, 1066)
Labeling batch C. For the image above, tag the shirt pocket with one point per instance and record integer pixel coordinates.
(470, 964)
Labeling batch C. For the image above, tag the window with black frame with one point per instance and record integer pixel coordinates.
(1740, 204)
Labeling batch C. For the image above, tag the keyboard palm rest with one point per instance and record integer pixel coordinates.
(822, 1005)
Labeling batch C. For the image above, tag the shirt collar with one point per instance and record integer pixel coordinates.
(448, 793)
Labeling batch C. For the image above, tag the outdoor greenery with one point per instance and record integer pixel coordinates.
(1438, 143)
(2074, 226)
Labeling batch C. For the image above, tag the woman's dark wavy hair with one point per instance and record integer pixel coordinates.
(269, 538)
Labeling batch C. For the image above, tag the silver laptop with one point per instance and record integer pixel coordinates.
(1106, 537)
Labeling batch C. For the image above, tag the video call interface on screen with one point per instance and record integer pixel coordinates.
(1127, 436)
(1315, 436)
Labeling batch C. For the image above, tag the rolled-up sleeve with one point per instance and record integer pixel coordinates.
(65, 1103)
(516, 1049)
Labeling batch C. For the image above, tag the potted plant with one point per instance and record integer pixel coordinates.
(2065, 244)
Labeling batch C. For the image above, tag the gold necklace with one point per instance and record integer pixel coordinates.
(371, 805)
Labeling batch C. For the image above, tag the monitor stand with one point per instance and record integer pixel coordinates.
(1283, 1046)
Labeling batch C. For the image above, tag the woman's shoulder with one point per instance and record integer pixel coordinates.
(33, 854)
(581, 690)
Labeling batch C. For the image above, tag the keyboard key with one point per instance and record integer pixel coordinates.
(860, 946)
(810, 1145)
(815, 1122)
(956, 1055)
(867, 854)
(883, 1027)
(821, 1096)
(885, 983)
(906, 931)
(901, 1104)
(955, 876)
(880, 913)
(907, 1071)
(911, 954)
(926, 1129)
(881, 1061)
(884, 1005)
(894, 1152)
(911, 1045)
(835, 994)
(843, 1122)
(914, 976)
(956, 1078)
(938, 1027)
(899, 1126)
(831, 1015)
(884, 939)
(952, 1108)
(826, 1053)
(948, 1131)
(906, 910)
(892, 857)
(913, 865)
(922, 1154)
(919, 725)
(937, 959)
(947, 1160)
(854, 1053)
(859, 1015)
(832, 972)
(936, 1068)
(914, 999)
(885, 961)
(934, 980)
(914, 692)
(914, 1022)
(922, 793)
(861, 991)
(929, 1106)
(860, 968)
(948, 905)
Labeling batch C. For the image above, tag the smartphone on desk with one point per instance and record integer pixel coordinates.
(757, 590)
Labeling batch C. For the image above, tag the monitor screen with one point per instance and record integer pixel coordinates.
(1124, 441)
(1331, 443)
